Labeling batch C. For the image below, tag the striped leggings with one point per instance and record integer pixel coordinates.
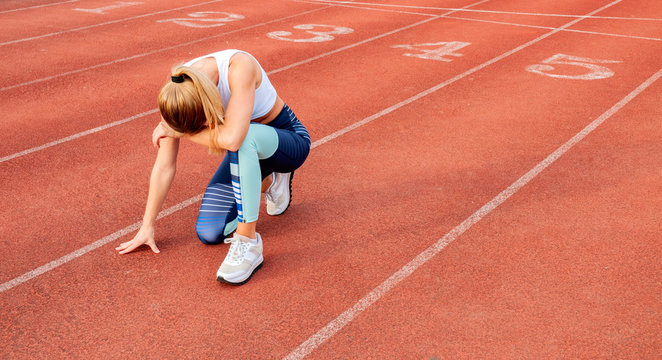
(234, 192)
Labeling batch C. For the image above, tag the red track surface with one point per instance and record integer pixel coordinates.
(565, 268)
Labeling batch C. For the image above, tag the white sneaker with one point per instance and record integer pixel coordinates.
(243, 258)
(279, 194)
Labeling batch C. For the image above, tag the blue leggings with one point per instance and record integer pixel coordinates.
(234, 192)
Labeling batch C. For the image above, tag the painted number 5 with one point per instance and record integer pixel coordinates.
(320, 32)
(594, 71)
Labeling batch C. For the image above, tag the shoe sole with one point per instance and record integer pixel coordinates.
(290, 200)
(222, 279)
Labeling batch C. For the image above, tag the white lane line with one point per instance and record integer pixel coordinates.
(88, 132)
(31, 82)
(76, 136)
(367, 8)
(38, 6)
(492, 21)
(565, 30)
(133, 227)
(95, 245)
(105, 23)
(487, 11)
(346, 317)
(333, 327)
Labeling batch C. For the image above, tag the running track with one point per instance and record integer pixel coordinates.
(493, 194)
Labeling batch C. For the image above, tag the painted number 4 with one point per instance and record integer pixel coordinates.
(594, 71)
(435, 51)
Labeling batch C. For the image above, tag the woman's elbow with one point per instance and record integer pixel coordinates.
(231, 143)
(232, 146)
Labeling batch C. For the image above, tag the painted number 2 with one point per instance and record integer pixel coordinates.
(435, 51)
(320, 32)
(594, 71)
(205, 19)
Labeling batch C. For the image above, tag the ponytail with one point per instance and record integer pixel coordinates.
(190, 102)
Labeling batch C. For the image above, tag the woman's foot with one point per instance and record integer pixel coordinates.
(243, 259)
(279, 194)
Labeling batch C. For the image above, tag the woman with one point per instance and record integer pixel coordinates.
(226, 102)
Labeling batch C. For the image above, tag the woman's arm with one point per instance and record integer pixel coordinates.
(160, 181)
(202, 138)
(243, 77)
(163, 173)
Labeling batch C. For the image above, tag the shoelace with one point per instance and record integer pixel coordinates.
(237, 250)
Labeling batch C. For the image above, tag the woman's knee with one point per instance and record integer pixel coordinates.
(208, 237)
(212, 234)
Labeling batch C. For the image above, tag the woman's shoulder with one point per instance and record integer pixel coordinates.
(218, 56)
(242, 57)
(207, 66)
(243, 66)
(229, 59)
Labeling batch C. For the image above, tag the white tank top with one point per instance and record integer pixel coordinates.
(265, 94)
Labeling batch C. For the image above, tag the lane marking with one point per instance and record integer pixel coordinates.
(112, 62)
(438, 51)
(102, 10)
(95, 245)
(346, 317)
(333, 327)
(594, 71)
(490, 21)
(38, 6)
(78, 135)
(366, 8)
(88, 132)
(204, 19)
(487, 11)
(104, 23)
(317, 30)
(565, 30)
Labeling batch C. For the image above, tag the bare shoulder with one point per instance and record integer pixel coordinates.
(242, 59)
(208, 67)
(243, 69)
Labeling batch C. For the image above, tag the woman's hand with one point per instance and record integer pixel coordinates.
(145, 236)
(162, 130)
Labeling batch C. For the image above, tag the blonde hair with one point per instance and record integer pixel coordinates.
(190, 102)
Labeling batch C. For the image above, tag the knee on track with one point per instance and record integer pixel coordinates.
(209, 237)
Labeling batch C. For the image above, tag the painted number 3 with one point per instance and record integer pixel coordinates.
(594, 71)
(320, 32)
